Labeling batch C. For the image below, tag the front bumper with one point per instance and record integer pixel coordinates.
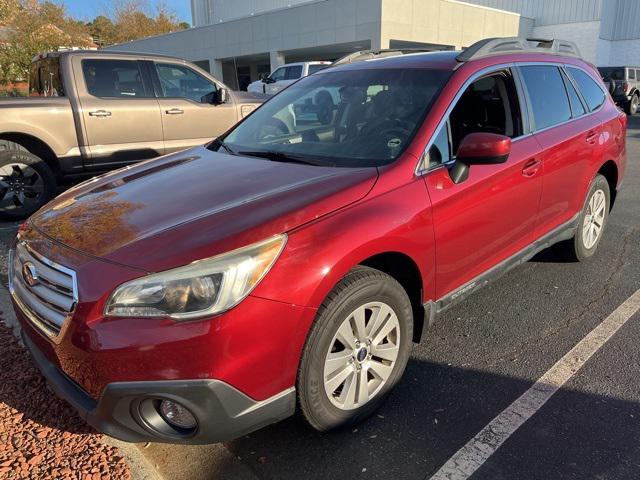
(222, 412)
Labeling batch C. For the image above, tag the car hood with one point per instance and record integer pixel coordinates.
(194, 204)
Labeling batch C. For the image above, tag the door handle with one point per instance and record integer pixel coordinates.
(531, 167)
(174, 111)
(592, 137)
(100, 113)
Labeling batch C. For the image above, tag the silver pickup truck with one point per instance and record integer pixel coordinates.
(92, 111)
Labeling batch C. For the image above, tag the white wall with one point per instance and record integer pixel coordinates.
(444, 22)
(621, 53)
(585, 34)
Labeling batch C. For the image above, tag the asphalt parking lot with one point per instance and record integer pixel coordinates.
(480, 357)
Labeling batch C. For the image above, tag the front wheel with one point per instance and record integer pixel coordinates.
(26, 184)
(356, 351)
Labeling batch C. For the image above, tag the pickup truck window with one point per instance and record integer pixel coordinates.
(316, 67)
(278, 74)
(45, 79)
(113, 78)
(293, 73)
(178, 81)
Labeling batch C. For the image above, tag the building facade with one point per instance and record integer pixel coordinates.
(238, 40)
(607, 31)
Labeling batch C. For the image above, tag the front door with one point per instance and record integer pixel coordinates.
(120, 112)
(490, 216)
(189, 117)
(282, 78)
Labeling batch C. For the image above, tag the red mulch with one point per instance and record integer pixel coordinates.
(41, 437)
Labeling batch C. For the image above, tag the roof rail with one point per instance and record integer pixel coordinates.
(369, 54)
(497, 46)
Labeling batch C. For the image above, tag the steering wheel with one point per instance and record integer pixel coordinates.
(272, 128)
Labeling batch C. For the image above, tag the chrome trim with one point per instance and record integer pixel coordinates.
(51, 328)
(421, 170)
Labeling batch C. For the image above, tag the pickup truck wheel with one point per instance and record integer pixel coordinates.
(356, 351)
(591, 223)
(26, 184)
(632, 106)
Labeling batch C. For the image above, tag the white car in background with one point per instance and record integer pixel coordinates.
(284, 76)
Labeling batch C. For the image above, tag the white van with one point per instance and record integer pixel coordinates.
(284, 76)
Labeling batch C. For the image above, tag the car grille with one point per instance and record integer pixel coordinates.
(45, 291)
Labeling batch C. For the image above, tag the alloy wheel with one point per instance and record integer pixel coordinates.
(362, 355)
(594, 219)
(21, 187)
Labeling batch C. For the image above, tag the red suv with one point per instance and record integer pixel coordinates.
(293, 261)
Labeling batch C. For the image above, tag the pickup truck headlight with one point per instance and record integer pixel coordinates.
(204, 287)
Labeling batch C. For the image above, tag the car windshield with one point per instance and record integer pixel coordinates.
(352, 118)
(612, 73)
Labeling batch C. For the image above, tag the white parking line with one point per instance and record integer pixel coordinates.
(471, 457)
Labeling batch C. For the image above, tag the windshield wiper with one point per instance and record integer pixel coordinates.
(276, 156)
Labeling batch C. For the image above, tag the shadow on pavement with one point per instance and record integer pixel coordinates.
(434, 411)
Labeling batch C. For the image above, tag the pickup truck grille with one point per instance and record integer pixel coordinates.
(45, 291)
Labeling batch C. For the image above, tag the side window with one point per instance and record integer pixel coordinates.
(178, 81)
(591, 91)
(577, 109)
(113, 78)
(637, 74)
(490, 105)
(278, 74)
(632, 74)
(547, 94)
(440, 150)
(293, 73)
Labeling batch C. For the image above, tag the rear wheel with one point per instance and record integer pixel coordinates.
(592, 221)
(356, 351)
(26, 184)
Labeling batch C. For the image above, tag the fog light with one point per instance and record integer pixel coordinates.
(177, 415)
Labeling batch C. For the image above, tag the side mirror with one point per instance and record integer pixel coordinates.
(222, 95)
(264, 77)
(479, 149)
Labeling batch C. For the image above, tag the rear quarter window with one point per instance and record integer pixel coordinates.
(547, 94)
(591, 91)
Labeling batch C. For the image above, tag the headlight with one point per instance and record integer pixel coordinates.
(202, 288)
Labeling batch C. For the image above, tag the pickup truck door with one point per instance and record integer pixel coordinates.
(189, 117)
(120, 113)
(282, 78)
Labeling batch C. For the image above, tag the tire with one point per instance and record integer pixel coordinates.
(362, 290)
(7, 145)
(583, 246)
(632, 106)
(26, 184)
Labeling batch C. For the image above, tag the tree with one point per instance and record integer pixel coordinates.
(133, 23)
(35, 27)
(102, 30)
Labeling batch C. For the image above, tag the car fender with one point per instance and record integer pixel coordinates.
(319, 254)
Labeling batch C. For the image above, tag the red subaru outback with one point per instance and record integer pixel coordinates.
(293, 261)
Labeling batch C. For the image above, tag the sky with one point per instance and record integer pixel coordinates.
(89, 9)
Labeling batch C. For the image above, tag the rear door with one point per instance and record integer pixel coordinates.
(189, 117)
(570, 138)
(489, 217)
(120, 112)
